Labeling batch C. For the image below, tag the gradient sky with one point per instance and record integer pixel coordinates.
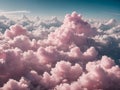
(102, 9)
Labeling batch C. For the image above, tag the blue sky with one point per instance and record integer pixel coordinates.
(102, 9)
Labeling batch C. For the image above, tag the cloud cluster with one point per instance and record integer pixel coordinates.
(108, 41)
(73, 56)
(40, 27)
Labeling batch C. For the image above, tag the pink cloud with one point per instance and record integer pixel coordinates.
(65, 60)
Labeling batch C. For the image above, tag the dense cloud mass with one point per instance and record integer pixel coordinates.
(54, 55)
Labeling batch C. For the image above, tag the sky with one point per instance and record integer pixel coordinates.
(102, 9)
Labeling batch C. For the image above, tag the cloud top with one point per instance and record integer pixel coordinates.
(70, 56)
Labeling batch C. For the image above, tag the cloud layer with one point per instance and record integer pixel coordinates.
(53, 55)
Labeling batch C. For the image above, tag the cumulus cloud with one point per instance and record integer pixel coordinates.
(54, 55)
(107, 42)
(40, 27)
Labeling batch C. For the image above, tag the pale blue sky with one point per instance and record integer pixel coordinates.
(102, 9)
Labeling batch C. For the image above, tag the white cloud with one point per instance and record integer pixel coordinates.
(14, 12)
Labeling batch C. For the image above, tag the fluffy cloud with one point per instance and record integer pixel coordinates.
(40, 27)
(107, 42)
(51, 55)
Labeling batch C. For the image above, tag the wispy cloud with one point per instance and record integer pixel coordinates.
(116, 14)
(113, 13)
(14, 12)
